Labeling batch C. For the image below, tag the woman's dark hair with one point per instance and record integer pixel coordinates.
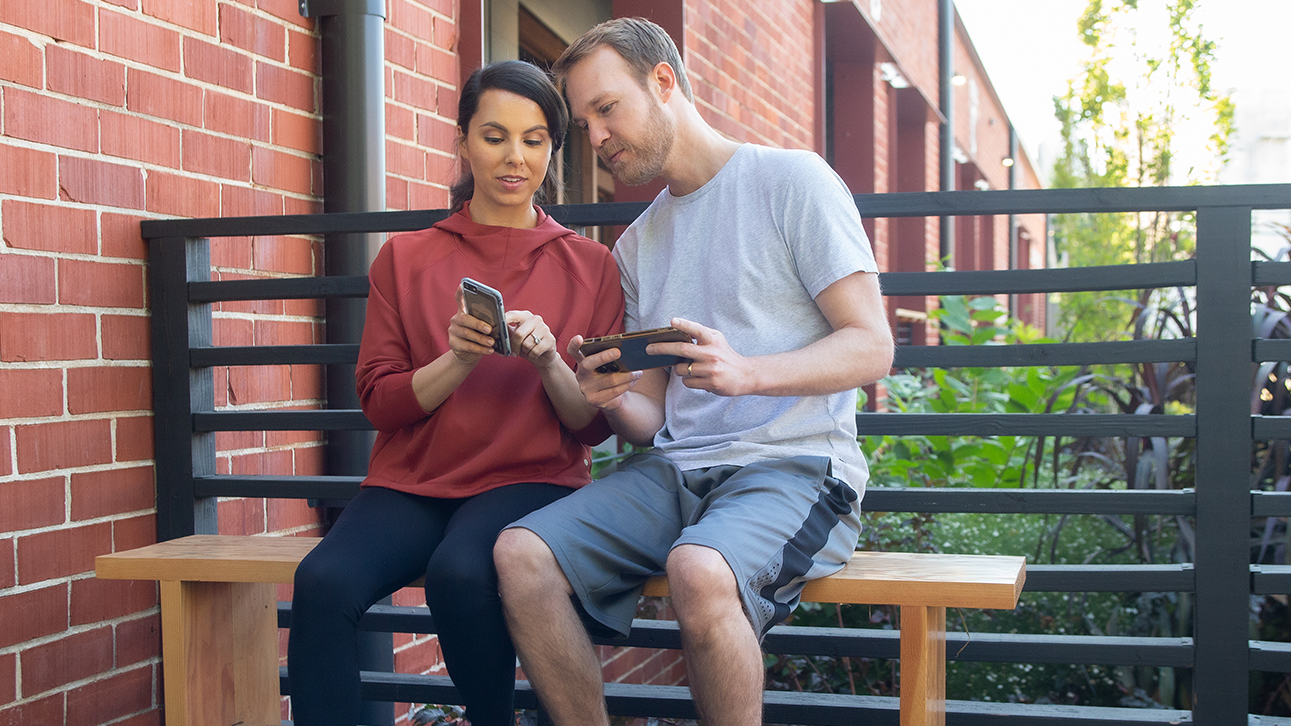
(523, 79)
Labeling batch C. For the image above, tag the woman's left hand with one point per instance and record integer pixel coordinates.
(531, 339)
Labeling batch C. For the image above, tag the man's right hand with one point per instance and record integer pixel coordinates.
(603, 390)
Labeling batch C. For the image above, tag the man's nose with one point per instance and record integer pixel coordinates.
(598, 134)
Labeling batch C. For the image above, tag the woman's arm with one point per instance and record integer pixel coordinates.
(533, 340)
(468, 341)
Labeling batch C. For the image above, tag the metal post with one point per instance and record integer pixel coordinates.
(1224, 442)
(1014, 262)
(354, 178)
(946, 99)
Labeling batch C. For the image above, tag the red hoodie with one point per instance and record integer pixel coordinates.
(498, 427)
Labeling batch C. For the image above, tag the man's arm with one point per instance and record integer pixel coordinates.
(858, 352)
(632, 400)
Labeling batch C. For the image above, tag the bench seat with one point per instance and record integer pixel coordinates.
(219, 616)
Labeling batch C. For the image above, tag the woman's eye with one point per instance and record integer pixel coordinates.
(493, 139)
(534, 142)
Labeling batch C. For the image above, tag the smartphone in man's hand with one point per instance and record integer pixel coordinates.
(632, 349)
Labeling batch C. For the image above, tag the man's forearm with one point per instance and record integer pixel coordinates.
(843, 360)
(636, 419)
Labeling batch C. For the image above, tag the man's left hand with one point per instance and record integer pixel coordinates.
(714, 366)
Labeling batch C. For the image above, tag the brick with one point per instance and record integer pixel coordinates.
(81, 655)
(437, 63)
(61, 552)
(32, 503)
(121, 237)
(29, 393)
(251, 33)
(118, 388)
(27, 279)
(134, 438)
(49, 227)
(437, 134)
(415, 91)
(23, 61)
(139, 139)
(289, 514)
(154, 95)
(133, 533)
(91, 181)
(28, 172)
(111, 698)
(287, 10)
(295, 205)
(8, 578)
(283, 254)
(81, 75)
(259, 384)
(100, 284)
(94, 600)
(242, 516)
(425, 196)
(401, 50)
(294, 131)
(139, 640)
(246, 202)
(48, 120)
(445, 34)
(215, 64)
(234, 252)
(46, 710)
(236, 116)
(238, 440)
(70, 20)
(199, 16)
(277, 170)
(63, 444)
(302, 51)
(115, 491)
(126, 337)
(8, 678)
(148, 718)
(396, 193)
(33, 614)
(182, 196)
(401, 122)
(46, 337)
(306, 383)
(285, 86)
(405, 160)
(274, 332)
(217, 155)
(441, 169)
(446, 102)
(128, 37)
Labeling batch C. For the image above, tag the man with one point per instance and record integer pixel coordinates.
(753, 485)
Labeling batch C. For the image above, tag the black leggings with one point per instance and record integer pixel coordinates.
(382, 541)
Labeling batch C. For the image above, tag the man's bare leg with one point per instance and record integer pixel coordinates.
(549, 637)
(723, 658)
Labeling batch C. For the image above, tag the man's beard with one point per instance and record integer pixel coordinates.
(647, 157)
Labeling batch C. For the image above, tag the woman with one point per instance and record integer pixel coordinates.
(468, 440)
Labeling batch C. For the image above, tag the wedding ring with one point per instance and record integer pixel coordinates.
(688, 367)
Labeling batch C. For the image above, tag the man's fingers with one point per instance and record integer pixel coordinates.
(700, 333)
(574, 344)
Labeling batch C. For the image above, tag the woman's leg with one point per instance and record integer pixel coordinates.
(380, 543)
(462, 592)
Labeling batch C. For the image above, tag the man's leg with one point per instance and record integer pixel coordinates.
(723, 658)
(549, 637)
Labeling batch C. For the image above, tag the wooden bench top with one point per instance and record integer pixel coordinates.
(875, 578)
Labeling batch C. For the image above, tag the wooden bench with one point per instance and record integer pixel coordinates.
(219, 617)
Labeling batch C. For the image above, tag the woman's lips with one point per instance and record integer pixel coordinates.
(512, 183)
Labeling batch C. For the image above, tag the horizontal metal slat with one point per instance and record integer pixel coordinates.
(1271, 428)
(1068, 201)
(1268, 349)
(1270, 656)
(1025, 424)
(1058, 354)
(322, 420)
(277, 487)
(1075, 279)
(1022, 501)
(266, 355)
(1110, 578)
(1271, 579)
(283, 288)
(1270, 504)
(1271, 273)
(288, 224)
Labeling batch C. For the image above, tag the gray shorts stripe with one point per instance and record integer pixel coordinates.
(778, 524)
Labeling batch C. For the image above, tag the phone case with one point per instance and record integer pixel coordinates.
(485, 303)
(633, 356)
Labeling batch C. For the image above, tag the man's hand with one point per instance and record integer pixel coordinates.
(714, 366)
(603, 390)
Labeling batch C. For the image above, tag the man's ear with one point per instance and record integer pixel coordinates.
(666, 76)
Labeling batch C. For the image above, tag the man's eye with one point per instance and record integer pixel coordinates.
(605, 110)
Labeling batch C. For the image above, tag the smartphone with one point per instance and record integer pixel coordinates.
(632, 347)
(485, 303)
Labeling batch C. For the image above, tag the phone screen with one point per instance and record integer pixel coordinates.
(484, 303)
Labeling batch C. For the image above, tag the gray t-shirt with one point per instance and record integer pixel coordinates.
(746, 254)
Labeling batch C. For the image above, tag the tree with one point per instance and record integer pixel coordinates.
(1118, 133)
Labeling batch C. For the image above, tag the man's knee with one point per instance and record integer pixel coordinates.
(702, 575)
(522, 556)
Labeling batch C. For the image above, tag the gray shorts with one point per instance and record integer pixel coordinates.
(778, 524)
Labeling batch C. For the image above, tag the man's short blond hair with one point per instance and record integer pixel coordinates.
(638, 41)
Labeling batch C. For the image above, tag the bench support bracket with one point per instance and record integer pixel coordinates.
(923, 666)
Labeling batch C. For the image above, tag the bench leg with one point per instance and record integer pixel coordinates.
(923, 666)
(220, 653)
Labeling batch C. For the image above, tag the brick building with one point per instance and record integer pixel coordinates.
(114, 111)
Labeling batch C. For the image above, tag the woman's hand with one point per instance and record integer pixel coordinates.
(531, 339)
(468, 337)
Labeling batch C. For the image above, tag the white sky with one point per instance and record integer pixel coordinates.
(1030, 50)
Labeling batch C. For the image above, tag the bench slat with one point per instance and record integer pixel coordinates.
(878, 578)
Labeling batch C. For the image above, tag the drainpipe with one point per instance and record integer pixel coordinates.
(354, 171)
(946, 98)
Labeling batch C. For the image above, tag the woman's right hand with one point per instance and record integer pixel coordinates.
(468, 337)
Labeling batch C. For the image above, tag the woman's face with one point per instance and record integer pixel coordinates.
(508, 148)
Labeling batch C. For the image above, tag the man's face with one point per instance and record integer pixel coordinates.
(627, 124)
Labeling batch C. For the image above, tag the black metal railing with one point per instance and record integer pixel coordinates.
(1222, 504)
